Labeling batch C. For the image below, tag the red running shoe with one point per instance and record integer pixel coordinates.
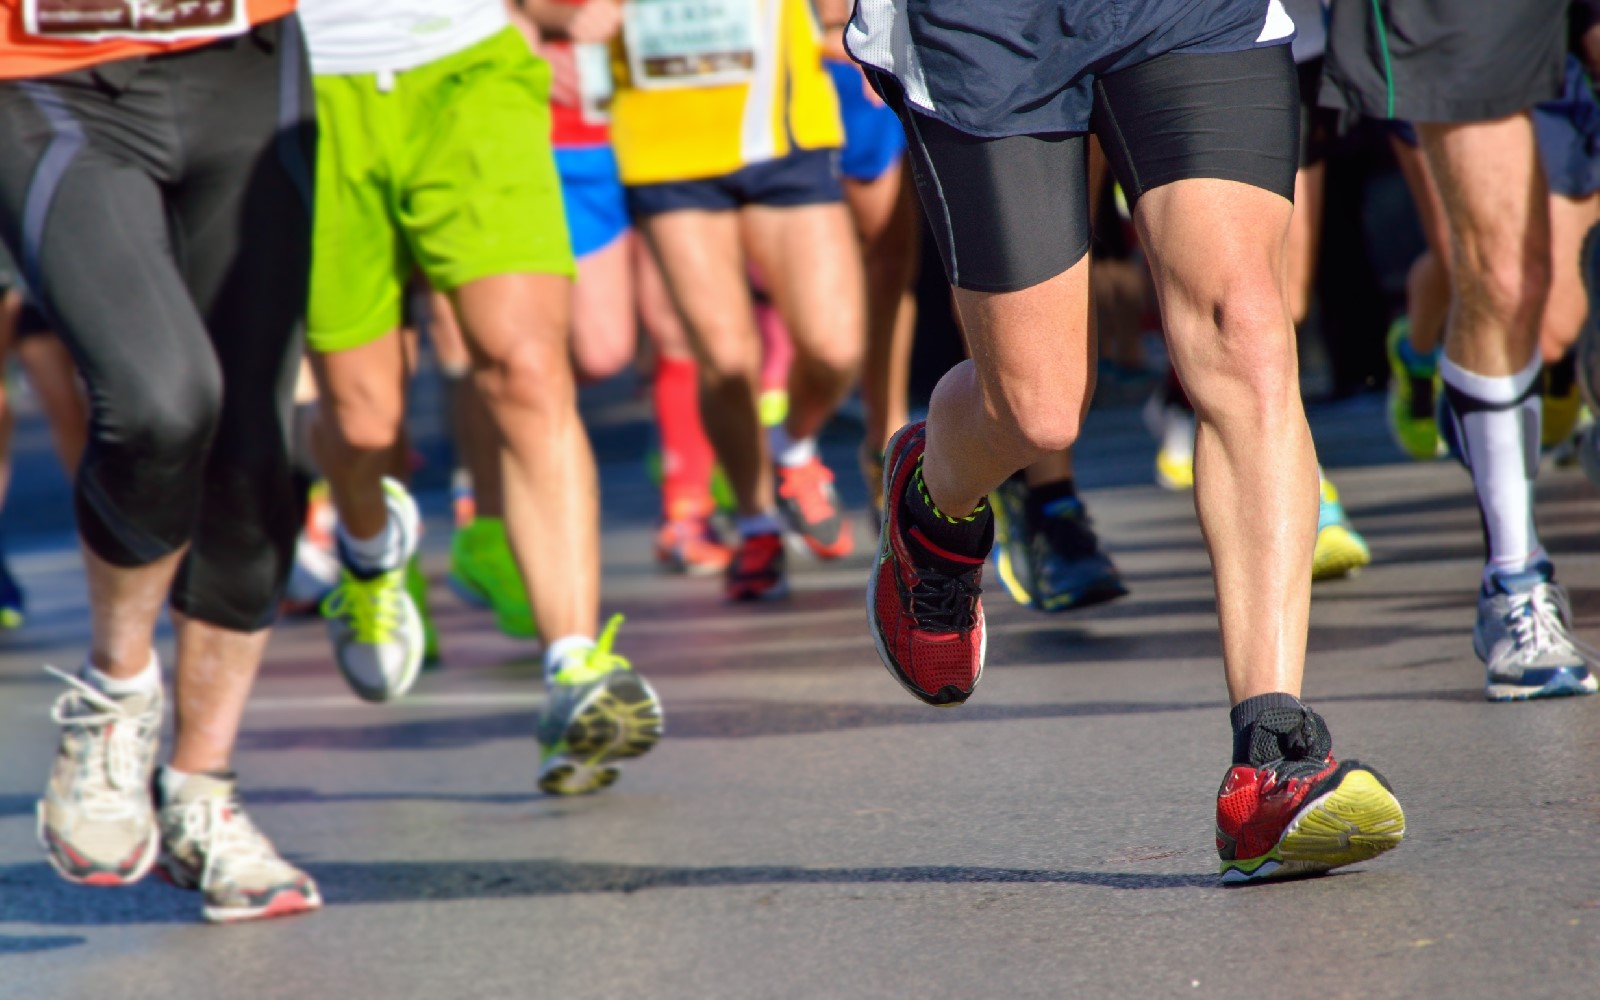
(928, 623)
(810, 504)
(757, 570)
(1294, 810)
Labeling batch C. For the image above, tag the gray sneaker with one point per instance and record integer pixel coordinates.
(96, 821)
(598, 712)
(1523, 637)
(210, 845)
(377, 633)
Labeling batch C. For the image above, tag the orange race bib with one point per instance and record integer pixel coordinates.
(136, 20)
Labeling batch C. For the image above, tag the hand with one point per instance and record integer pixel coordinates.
(595, 21)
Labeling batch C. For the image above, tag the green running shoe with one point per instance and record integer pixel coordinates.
(377, 633)
(598, 711)
(485, 575)
(1413, 391)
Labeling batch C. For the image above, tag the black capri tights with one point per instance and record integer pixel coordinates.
(160, 210)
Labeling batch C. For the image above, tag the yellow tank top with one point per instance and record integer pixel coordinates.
(705, 87)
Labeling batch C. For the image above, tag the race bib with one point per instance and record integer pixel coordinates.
(594, 82)
(138, 20)
(691, 43)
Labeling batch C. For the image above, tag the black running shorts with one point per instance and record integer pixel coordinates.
(1012, 211)
(1443, 60)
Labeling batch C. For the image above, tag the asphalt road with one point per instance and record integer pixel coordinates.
(806, 830)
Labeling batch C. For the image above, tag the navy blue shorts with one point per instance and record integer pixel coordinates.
(808, 177)
(873, 139)
(1568, 129)
(1028, 67)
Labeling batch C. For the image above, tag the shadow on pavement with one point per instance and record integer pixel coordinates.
(32, 894)
(23, 945)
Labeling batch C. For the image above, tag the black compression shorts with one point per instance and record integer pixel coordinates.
(1010, 212)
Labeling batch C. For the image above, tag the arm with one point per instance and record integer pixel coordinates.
(834, 15)
(591, 21)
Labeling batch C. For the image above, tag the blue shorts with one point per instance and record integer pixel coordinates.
(873, 138)
(807, 177)
(1568, 129)
(591, 191)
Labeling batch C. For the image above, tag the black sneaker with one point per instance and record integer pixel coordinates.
(1052, 563)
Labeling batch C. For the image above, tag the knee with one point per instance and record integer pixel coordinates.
(1046, 418)
(167, 424)
(531, 375)
(1236, 349)
(598, 355)
(366, 417)
(836, 360)
(728, 360)
(1510, 286)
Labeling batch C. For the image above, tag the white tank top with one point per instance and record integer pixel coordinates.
(379, 36)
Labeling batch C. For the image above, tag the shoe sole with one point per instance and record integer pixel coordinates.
(102, 878)
(1102, 591)
(619, 721)
(1568, 682)
(284, 903)
(1338, 557)
(1355, 822)
(950, 701)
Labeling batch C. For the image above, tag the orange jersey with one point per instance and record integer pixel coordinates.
(23, 55)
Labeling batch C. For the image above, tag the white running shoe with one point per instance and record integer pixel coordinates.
(378, 637)
(96, 821)
(1523, 638)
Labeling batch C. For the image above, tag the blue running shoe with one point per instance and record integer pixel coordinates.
(1523, 637)
(1055, 564)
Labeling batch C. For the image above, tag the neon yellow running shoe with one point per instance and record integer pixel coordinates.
(1413, 392)
(598, 712)
(376, 631)
(485, 575)
(1562, 408)
(1340, 550)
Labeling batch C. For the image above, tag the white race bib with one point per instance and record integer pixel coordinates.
(690, 43)
(138, 20)
(594, 81)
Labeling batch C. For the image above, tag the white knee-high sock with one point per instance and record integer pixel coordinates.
(1497, 424)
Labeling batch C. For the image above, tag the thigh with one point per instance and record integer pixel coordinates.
(1492, 188)
(1007, 213)
(1227, 116)
(243, 220)
(811, 260)
(90, 230)
(703, 264)
(479, 194)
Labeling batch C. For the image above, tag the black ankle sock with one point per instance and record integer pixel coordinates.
(971, 537)
(1560, 376)
(1244, 715)
(1042, 496)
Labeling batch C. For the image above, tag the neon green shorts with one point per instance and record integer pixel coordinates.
(448, 170)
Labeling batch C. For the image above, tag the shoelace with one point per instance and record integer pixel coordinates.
(945, 603)
(373, 606)
(809, 486)
(1537, 622)
(598, 661)
(102, 792)
(225, 837)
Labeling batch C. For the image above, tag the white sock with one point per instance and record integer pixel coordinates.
(171, 780)
(146, 681)
(380, 554)
(758, 524)
(788, 452)
(556, 654)
(1497, 424)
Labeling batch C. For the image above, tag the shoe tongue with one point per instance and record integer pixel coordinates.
(209, 785)
(1289, 734)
